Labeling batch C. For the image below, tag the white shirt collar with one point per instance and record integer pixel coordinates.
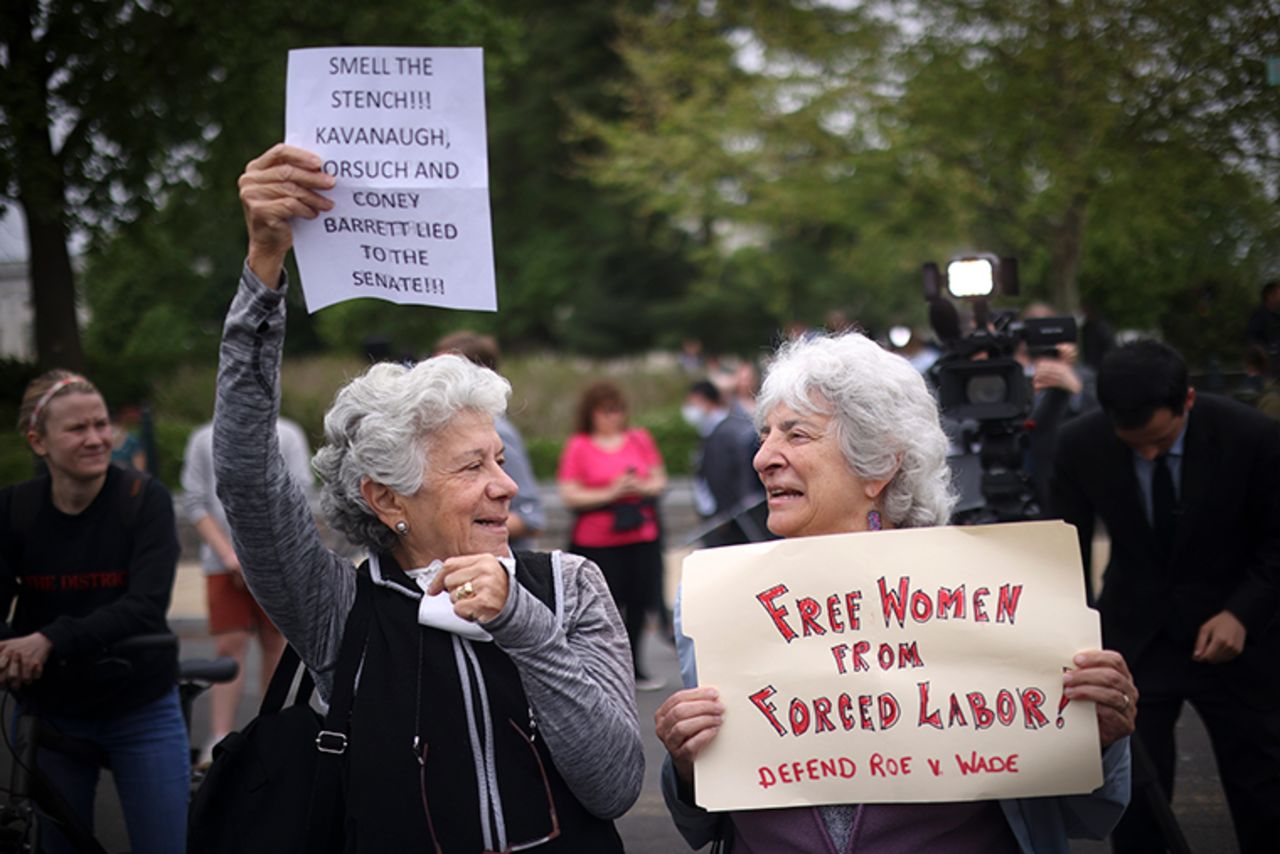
(437, 611)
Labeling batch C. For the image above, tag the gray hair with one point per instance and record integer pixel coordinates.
(378, 427)
(884, 417)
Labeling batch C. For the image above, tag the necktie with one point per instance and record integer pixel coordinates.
(1164, 503)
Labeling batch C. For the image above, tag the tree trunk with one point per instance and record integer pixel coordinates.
(1066, 243)
(42, 195)
(53, 291)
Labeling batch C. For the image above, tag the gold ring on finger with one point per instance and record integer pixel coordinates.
(466, 591)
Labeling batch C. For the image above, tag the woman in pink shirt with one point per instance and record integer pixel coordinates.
(610, 475)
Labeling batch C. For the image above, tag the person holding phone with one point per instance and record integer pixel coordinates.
(611, 475)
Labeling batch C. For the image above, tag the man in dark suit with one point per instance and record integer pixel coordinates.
(726, 485)
(1189, 490)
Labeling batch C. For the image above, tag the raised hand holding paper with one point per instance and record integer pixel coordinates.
(402, 130)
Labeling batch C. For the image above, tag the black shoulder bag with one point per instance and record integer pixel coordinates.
(276, 786)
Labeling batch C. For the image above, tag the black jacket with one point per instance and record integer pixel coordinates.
(445, 753)
(726, 461)
(86, 582)
(1226, 554)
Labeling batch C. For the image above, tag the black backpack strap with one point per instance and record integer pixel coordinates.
(351, 654)
(331, 742)
(282, 680)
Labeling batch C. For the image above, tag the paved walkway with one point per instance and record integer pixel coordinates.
(188, 603)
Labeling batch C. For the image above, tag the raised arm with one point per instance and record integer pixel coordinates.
(304, 588)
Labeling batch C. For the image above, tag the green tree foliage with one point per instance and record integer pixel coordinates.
(1124, 150)
(1179, 245)
(1049, 118)
(159, 287)
(742, 123)
(689, 168)
(575, 265)
(91, 133)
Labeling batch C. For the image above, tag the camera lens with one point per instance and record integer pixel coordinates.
(986, 389)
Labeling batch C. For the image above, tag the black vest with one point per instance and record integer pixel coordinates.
(444, 754)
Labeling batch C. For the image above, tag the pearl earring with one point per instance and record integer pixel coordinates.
(402, 527)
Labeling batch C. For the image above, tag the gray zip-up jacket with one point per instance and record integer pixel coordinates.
(576, 673)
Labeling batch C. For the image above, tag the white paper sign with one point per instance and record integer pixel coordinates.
(899, 666)
(403, 132)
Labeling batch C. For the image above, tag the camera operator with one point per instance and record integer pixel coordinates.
(1005, 389)
(1005, 384)
(1062, 390)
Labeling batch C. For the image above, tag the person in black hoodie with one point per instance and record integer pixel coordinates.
(89, 550)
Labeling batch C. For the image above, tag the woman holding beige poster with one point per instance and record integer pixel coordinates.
(851, 442)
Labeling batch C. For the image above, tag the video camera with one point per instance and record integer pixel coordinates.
(979, 379)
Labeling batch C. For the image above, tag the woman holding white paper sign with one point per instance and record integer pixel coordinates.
(850, 441)
(493, 709)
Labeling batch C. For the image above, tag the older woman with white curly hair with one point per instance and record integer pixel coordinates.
(494, 706)
(850, 441)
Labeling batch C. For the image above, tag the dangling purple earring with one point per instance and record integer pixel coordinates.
(873, 521)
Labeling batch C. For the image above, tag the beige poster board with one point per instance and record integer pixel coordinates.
(913, 665)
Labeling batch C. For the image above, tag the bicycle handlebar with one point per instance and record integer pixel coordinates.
(143, 643)
(190, 670)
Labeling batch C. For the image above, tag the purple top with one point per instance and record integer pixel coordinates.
(973, 827)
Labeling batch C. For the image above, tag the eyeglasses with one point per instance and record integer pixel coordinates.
(552, 816)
